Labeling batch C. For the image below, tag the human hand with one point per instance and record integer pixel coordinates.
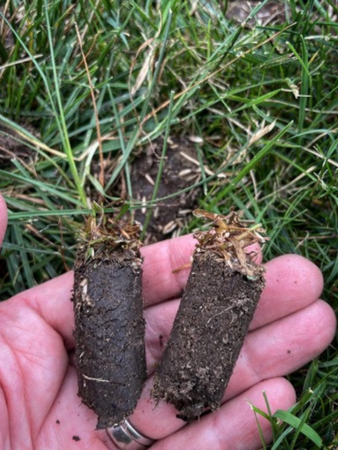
(39, 406)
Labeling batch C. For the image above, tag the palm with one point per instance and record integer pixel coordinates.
(38, 382)
(38, 386)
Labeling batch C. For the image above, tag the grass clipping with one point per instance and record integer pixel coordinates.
(109, 325)
(213, 319)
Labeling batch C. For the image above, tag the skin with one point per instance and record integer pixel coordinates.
(39, 407)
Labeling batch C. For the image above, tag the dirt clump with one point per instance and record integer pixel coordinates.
(213, 319)
(109, 325)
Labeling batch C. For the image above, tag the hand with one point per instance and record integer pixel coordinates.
(39, 407)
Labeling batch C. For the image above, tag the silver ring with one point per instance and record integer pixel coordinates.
(126, 437)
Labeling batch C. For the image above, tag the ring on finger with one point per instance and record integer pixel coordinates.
(126, 437)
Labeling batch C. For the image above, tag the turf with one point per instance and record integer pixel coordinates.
(86, 84)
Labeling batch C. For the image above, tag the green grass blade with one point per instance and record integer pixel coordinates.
(254, 161)
(297, 424)
(160, 168)
(62, 122)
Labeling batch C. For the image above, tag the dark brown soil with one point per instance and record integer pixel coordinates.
(109, 335)
(179, 172)
(208, 333)
(11, 147)
(272, 12)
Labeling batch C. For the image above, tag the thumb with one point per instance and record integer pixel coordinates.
(3, 218)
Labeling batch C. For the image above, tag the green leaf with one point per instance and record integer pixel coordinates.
(296, 423)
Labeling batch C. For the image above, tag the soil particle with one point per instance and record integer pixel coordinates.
(180, 170)
(161, 337)
(109, 334)
(58, 422)
(208, 333)
(76, 438)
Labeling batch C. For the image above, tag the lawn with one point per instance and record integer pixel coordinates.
(251, 97)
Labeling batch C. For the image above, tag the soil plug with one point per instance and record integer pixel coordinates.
(109, 325)
(213, 319)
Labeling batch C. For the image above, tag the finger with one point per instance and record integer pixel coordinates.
(284, 346)
(235, 424)
(160, 260)
(292, 283)
(271, 351)
(3, 219)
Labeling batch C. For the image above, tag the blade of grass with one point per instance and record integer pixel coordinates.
(29, 137)
(160, 168)
(253, 162)
(298, 424)
(305, 77)
(138, 130)
(62, 193)
(61, 119)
